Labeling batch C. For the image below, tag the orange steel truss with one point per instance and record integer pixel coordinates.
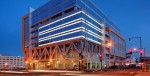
(54, 51)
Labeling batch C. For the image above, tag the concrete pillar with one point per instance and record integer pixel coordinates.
(101, 65)
(96, 65)
(87, 66)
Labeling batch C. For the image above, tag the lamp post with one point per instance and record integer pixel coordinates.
(140, 38)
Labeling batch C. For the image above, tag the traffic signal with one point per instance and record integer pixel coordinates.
(130, 51)
(141, 52)
(100, 57)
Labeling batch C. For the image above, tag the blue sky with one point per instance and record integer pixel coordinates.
(131, 16)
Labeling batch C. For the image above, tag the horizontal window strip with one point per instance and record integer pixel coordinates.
(69, 32)
(87, 35)
(92, 33)
(92, 18)
(91, 25)
(73, 38)
(61, 30)
(62, 33)
(62, 40)
(60, 19)
(65, 25)
(73, 35)
(70, 16)
(61, 26)
(64, 37)
(92, 22)
(65, 21)
(90, 30)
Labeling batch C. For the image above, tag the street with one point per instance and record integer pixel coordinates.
(126, 72)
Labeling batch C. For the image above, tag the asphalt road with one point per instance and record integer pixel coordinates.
(127, 72)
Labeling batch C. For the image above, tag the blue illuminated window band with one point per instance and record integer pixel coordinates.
(77, 37)
(61, 30)
(62, 22)
(61, 34)
(85, 25)
(70, 37)
(70, 16)
(70, 31)
(47, 42)
(90, 21)
(83, 20)
(60, 19)
(63, 37)
(95, 39)
(72, 27)
(60, 26)
(73, 35)
(73, 38)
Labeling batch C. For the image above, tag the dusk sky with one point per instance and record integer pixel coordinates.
(131, 16)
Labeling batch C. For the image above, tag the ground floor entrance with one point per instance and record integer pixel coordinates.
(70, 55)
(66, 64)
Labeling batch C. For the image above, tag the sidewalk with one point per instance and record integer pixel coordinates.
(39, 71)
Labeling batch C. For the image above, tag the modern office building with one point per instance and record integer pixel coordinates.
(65, 34)
(116, 54)
(11, 62)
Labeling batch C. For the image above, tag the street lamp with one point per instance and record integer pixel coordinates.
(108, 44)
(26, 62)
(134, 49)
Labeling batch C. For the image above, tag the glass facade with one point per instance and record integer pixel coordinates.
(70, 19)
(50, 9)
(119, 45)
(26, 32)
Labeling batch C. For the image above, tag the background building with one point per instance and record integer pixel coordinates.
(11, 62)
(116, 54)
(145, 60)
(65, 34)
